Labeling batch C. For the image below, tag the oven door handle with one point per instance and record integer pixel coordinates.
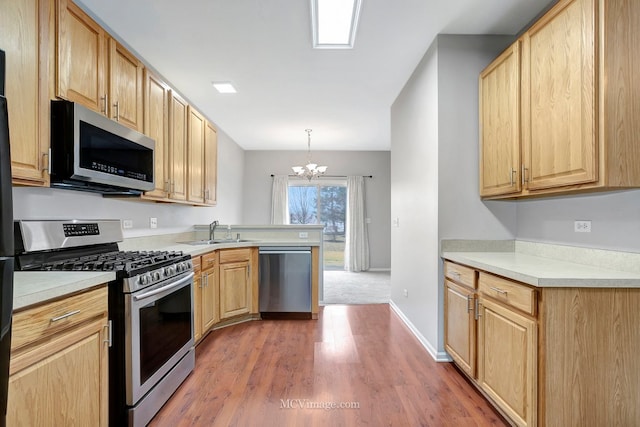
(164, 288)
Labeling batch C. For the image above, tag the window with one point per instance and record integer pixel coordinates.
(322, 203)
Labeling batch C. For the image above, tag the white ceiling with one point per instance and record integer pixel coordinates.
(284, 86)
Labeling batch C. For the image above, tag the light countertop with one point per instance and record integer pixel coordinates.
(34, 287)
(545, 272)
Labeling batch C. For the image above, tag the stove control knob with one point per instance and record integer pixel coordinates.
(145, 279)
(170, 271)
(180, 267)
(156, 276)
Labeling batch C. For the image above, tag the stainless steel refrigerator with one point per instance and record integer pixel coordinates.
(6, 248)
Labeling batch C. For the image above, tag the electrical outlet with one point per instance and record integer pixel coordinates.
(153, 222)
(406, 293)
(396, 222)
(582, 226)
(303, 235)
(127, 223)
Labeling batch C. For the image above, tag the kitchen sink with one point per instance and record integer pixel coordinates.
(214, 242)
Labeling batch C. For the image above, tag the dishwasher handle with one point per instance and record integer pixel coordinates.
(285, 250)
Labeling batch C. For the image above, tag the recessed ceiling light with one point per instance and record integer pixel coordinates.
(224, 87)
(334, 23)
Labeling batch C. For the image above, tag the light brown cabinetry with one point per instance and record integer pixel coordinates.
(23, 23)
(95, 70)
(507, 357)
(197, 298)
(210, 164)
(500, 124)
(178, 119)
(577, 94)
(460, 326)
(156, 125)
(235, 282)
(195, 156)
(210, 291)
(59, 363)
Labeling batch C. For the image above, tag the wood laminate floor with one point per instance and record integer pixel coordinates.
(361, 358)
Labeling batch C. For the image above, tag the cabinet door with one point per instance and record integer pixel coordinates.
(559, 97)
(80, 58)
(507, 357)
(500, 125)
(195, 157)
(125, 86)
(197, 307)
(211, 164)
(235, 289)
(460, 326)
(209, 300)
(20, 24)
(67, 384)
(156, 126)
(178, 147)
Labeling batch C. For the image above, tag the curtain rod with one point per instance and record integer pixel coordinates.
(327, 176)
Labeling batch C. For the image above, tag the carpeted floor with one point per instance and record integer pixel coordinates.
(345, 287)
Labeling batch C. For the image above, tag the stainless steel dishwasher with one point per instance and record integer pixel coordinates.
(285, 282)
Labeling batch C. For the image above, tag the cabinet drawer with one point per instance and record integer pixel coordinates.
(209, 260)
(33, 324)
(512, 293)
(460, 274)
(197, 266)
(235, 255)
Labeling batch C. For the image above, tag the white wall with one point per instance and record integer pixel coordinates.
(48, 203)
(434, 175)
(259, 165)
(615, 220)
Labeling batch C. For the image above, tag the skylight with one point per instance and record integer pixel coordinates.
(224, 87)
(334, 23)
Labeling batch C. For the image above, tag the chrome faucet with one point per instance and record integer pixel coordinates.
(212, 229)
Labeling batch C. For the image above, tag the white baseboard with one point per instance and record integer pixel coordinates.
(379, 269)
(438, 356)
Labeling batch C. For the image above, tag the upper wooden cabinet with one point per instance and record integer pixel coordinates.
(500, 124)
(574, 132)
(210, 164)
(178, 119)
(156, 126)
(22, 24)
(195, 156)
(95, 70)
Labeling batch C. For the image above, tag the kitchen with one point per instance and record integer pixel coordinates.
(451, 170)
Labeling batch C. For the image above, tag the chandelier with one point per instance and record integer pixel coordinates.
(311, 170)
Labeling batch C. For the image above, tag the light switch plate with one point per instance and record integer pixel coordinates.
(127, 223)
(153, 222)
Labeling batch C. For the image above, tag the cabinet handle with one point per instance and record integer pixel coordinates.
(524, 175)
(46, 163)
(64, 316)
(201, 281)
(166, 186)
(117, 107)
(109, 339)
(511, 176)
(105, 102)
(498, 290)
(477, 309)
(469, 299)
(456, 275)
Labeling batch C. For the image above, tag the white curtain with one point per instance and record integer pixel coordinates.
(356, 251)
(280, 200)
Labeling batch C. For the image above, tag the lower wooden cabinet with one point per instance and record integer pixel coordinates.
(210, 292)
(59, 363)
(507, 358)
(235, 289)
(460, 326)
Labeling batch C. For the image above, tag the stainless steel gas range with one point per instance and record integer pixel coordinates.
(150, 308)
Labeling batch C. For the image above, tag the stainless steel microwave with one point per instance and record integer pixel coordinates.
(91, 152)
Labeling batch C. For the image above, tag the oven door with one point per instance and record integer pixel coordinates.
(159, 332)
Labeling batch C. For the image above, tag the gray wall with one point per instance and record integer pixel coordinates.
(259, 165)
(434, 176)
(615, 220)
(48, 203)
